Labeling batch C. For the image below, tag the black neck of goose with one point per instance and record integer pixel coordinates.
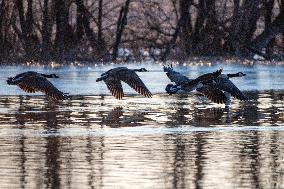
(234, 75)
(137, 70)
(49, 75)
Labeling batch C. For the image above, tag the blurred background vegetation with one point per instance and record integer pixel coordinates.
(109, 30)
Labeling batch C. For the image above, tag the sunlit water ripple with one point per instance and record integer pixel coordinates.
(177, 141)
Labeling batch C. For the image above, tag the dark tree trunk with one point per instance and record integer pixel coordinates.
(100, 23)
(231, 42)
(185, 25)
(91, 35)
(60, 27)
(172, 42)
(2, 5)
(29, 38)
(213, 33)
(268, 7)
(251, 13)
(196, 37)
(121, 23)
(244, 19)
(64, 39)
(46, 33)
(79, 25)
(268, 34)
(282, 9)
(206, 36)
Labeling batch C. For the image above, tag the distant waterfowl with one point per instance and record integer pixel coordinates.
(113, 79)
(32, 82)
(217, 88)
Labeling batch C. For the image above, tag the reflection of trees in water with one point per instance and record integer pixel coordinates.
(207, 117)
(187, 160)
(199, 159)
(96, 164)
(118, 118)
(23, 160)
(179, 117)
(252, 167)
(241, 113)
(53, 162)
(179, 171)
(52, 153)
(276, 115)
(258, 161)
(275, 152)
(188, 149)
(262, 110)
(250, 155)
(48, 115)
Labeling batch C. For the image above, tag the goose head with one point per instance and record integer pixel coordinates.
(53, 76)
(240, 74)
(140, 70)
(103, 77)
(50, 75)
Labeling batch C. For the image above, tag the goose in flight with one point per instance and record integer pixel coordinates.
(32, 82)
(113, 79)
(217, 89)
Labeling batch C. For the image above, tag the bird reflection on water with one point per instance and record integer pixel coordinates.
(38, 152)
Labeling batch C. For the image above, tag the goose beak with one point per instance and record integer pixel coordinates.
(99, 79)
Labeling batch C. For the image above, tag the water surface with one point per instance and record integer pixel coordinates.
(178, 141)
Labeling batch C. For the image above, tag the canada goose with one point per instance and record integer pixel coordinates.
(224, 84)
(113, 79)
(32, 82)
(217, 89)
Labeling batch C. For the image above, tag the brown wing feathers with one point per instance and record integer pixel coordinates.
(138, 86)
(26, 88)
(116, 75)
(133, 80)
(37, 83)
(213, 94)
(115, 87)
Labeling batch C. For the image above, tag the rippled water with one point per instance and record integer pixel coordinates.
(179, 141)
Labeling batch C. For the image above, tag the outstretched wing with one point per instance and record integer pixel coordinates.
(190, 85)
(174, 76)
(26, 88)
(36, 83)
(133, 80)
(213, 94)
(228, 86)
(114, 85)
(209, 76)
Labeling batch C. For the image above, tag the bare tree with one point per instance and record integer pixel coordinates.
(122, 21)
(271, 30)
(93, 30)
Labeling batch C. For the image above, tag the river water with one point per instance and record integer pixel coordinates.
(95, 141)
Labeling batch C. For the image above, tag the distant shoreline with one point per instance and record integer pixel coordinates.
(193, 60)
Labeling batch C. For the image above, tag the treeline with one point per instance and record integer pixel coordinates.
(98, 29)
